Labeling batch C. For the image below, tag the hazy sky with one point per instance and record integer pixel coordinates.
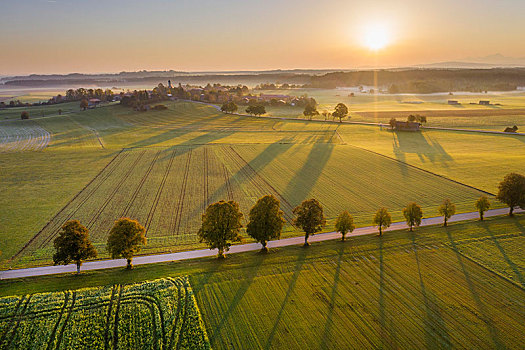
(61, 36)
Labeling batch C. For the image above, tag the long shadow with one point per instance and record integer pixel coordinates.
(426, 148)
(507, 259)
(291, 286)
(481, 307)
(433, 313)
(258, 163)
(386, 341)
(304, 180)
(329, 320)
(248, 278)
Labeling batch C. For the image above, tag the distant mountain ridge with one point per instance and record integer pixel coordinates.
(491, 61)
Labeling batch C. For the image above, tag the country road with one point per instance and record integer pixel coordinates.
(159, 258)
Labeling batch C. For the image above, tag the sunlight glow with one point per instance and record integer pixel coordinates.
(376, 36)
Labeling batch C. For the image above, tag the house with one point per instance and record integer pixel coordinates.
(93, 102)
(406, 126)
(453, 102)
(484, 103)
(267, 97)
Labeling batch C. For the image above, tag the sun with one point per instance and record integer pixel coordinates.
(376, 36)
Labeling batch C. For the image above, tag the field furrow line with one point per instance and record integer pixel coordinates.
(206, 166)
(51, 340)
(115, 191)
(140, 185)
(116, 321)
(176, 321)
(263, 185)
(180, 205)
(55, 217)
(12, 318)
(19, 319)
(153, 208)
(229, 190)
(66, 320)
(183, 326)
(108, 317)
(104, 176)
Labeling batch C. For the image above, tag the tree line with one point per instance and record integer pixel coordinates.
(222, 223)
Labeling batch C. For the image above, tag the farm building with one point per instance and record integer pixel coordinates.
(453, 102)
(484, 103)
(93, 102)
(406, 126)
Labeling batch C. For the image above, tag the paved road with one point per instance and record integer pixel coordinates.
(152, 259)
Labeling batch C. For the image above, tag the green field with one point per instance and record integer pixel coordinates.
(165, 167)
(404, 290)
(381, 107)
(161, 314)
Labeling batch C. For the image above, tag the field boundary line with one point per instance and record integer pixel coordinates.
(65, 206)
(426, 171)
(480, 264)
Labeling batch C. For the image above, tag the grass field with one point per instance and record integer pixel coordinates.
(164, 168)
(404, 290)
(380, 108)
(161, 314)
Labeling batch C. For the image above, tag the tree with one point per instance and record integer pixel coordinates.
(221, 223)
(326, 115)
(24, 115)
(266, 221)
(73, 244)
(344, 224)
(309, 217)
(382, 219)
(310, 110)
(84, 104)
(447, 209)
(60, 112)
(340, 111)
(125, 239)
(229, 107)
(413, 215)
(482, 205)
(511, 191)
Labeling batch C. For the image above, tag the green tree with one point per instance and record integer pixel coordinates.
(413, 215)
(24, 115)
(382, 220)
(125, 239)
(266, 221)
(84, 104)
(229, 107)
(482, 205)
(447, 209)
(340, 111)
(221, 224)
(73, 244)
(310, 217)
(511, 191)
(344, 224)
(310, 110)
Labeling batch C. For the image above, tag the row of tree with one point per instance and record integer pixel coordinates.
(222, 223)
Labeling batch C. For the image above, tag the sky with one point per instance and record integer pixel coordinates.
(95, 36)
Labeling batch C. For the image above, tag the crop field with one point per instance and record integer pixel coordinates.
(26, 136)
(163, 168)
(168, 189)
(161, 314)
(404, 290)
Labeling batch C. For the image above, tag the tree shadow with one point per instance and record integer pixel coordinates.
(329, 320)
(433, 314)
(507, 259)
(425, 147)
(494, 334)
(248, 277)
(297, 271)
(304, 180)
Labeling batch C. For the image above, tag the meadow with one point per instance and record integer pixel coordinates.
(422, 289)
(165, 167)
(160, 314)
